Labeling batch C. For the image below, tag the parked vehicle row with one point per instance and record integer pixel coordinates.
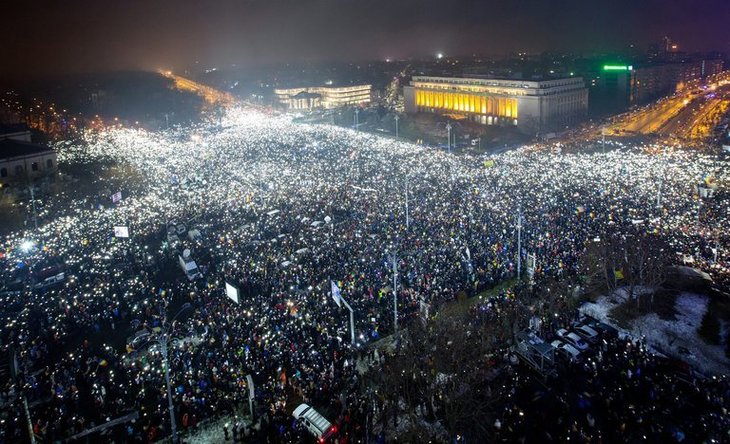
(582, 338)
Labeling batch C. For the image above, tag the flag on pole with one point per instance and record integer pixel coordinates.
(336, 294)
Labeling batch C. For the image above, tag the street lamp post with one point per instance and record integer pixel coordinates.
(328, 220)
(173, 424)
(32, 200)
(357, 119)
(396, 126)
(395, 292)
(352, 320)
(661, 181)
(30, 423)
(163, 339)
(448, 129)
(407, 215)
(519, 243)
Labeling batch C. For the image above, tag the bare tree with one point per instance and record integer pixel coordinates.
(438, 376)
(629, 260)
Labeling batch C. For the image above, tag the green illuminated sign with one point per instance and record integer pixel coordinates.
(617, 67)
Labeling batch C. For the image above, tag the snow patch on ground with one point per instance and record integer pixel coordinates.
(670, 337)
(211, 432)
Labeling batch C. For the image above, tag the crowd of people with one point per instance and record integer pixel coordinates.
(624, 393)
(284, 210)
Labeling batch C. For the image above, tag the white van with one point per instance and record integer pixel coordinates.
(314, 422)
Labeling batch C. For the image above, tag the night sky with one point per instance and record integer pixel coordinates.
(49, 37)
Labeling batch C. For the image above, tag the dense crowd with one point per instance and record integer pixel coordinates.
(624, 393)
(283, 210)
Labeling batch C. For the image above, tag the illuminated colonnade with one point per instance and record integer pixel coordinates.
(532, 105)
(468, 103)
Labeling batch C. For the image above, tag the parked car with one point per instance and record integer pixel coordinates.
(572, 339)
(606, 331)
(587, 333)
(566, 350)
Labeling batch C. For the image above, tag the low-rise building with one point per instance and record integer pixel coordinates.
(21, 160)
(15, 131)
(307, 98)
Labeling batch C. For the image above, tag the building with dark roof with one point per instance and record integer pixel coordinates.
(21, 160)
(15, 131)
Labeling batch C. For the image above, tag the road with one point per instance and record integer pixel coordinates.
(211, 95)
(649, 120)
(698, 120)
(688, 115)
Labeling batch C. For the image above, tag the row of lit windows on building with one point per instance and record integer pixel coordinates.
(573, 81)
(499, 106)
(324, 90)
(346, 96)
(568, 98)
(474, 89)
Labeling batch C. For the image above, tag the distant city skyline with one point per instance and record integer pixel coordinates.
(81, 36)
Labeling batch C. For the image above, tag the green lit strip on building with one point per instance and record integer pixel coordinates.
(617, 67)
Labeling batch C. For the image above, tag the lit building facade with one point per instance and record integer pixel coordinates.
(529, 105)
(711, 67)
(323, 96)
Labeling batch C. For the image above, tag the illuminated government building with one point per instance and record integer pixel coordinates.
(529, 105)
(322, 97)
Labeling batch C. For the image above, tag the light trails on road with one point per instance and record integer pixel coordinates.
(685, 116)
(211, 95)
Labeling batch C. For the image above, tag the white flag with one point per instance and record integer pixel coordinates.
(336, 294)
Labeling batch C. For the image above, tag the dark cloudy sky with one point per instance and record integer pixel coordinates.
(82, 35)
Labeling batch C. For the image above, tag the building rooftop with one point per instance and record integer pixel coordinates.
(12, 128)
(321, 86)
(15, 148)
(307, 95)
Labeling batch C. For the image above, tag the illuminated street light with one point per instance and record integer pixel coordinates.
(27, 245)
